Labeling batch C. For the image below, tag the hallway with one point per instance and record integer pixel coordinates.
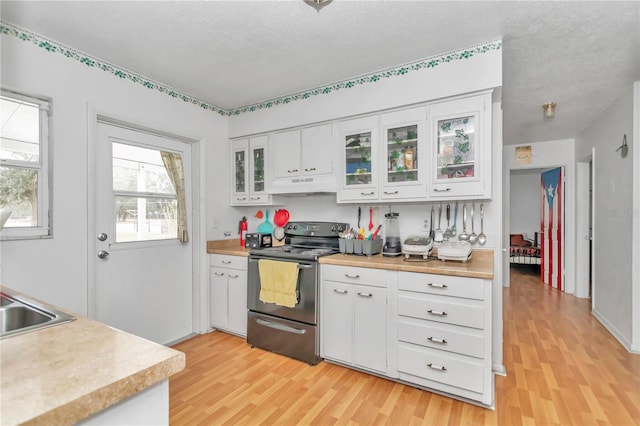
(563, 368)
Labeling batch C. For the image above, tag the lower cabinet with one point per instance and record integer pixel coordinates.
(354, 320)
(228, 293)
(432, 331)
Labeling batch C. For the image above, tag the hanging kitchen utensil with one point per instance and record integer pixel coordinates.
(281, 217)
(454, 228)
(431, 233)
(370, 218)
(472, 236)
(464, 236)
(447, 233)
(439, 234)
(265, 227)
(482, 238)
(359, 215)
(259, 214)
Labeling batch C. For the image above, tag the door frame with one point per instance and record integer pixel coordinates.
(568, 233)
(199, 260)
(583, 209)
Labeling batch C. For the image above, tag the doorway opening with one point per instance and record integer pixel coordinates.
(585, 230)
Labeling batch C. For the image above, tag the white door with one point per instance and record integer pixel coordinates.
(143, 272)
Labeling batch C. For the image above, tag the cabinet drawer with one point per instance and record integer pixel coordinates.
(441, 367)
(348, 274)
(471, 288)
(465, 341)
(225, 261)
(464, 312)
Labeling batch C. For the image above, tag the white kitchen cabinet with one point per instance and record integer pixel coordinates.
(359, 179)
(444, 334)
(404, 143)
(303, 160)
(354, 318)
(461, 148)
(249, 172)
(228, 293)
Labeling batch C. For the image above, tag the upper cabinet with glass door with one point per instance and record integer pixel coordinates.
(461, 148)
(359, 175)
(404, 154)
(249, 174)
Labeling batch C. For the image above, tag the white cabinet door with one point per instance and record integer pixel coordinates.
(337, 321)
(359, 180)
(237, 301)
(404, 166)
(240, 172)
(258, 172)
(218, 310)
(318, 153)
(461, 148)
(370, 327)
(285, 151)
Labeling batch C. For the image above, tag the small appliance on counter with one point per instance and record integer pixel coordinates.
(417, 245)
(257, 240)
(455, 250)
(392, 245)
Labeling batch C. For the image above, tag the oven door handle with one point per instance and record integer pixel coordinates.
(281, 327)
(300, 265)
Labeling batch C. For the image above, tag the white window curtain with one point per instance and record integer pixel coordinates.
(173, 163)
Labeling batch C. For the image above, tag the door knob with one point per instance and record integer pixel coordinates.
(103, 254)
(102, 236)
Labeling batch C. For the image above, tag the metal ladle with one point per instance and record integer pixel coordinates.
(472, 236)
(482, 238)
(464, 236)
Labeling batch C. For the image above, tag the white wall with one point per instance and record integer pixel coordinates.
(613, 213)
(525, 202)
(56, 269)
(545, 155)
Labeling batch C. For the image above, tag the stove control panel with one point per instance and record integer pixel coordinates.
(315, 229)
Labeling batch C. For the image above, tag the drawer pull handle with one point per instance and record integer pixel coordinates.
(437, 285)
(437, 367)
(439, 313)
(218, 274)
(241, 198)
(226, 262)
(233, 276)
(391, 192)
(255, 198)
(367, 193)
(310, 169)
(436, 340)
(335, 290)
(292, 171)
(365, 294)
(441, 190)
(352, 275)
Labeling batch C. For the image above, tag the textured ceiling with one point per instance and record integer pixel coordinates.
(235, 53)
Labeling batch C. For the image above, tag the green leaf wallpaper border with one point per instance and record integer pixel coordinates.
(52, 46)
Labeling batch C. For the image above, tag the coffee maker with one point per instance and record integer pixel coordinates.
(392, 245)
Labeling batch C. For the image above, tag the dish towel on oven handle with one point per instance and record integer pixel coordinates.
(278, 282)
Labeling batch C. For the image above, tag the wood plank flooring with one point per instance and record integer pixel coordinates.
(563, 368)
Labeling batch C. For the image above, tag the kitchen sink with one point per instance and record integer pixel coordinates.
(20, 315)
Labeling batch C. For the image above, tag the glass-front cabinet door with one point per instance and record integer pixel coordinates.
(358, 139)
(403, 145)
(257, 172)
(461, 142)
(240, 172)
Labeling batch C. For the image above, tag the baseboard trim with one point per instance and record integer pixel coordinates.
(613, 330)
(499, 369)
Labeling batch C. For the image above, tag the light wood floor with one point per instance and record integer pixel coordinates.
(563, 368)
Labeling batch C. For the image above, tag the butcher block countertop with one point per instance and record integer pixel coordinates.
(479, 266)
(228, 247)
(68, 372)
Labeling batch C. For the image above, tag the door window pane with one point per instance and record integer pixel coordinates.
(140, 219)
(402, 154)
(139, 169)
(240, 160)
(258, 170)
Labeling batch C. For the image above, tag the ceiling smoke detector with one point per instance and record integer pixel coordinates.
(317, 4)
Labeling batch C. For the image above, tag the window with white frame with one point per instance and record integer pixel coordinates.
(24, 166)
